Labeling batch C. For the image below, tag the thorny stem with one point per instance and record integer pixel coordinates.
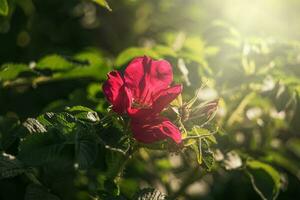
(32, 178)
(262, 196)
(128, 155)
(182, 126)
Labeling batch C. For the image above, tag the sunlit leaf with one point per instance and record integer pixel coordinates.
(102, 3)
(165, 51)
(203, 153)
(54, 62)
(203, 133)
(11, 71)
(130, 53)
(84, 113)
(236, 115)
(96, 60)
(177, 102)
(150, 194)
(34, 126)
(4, 8)
(284, 161)
(94, 72)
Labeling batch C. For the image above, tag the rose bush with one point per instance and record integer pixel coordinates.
(235, 124)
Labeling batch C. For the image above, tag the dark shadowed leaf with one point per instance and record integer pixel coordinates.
(86, 149)
(38, 192)
(38, 149)
(259, 174)
(9, 127)
(10, 166)
(295, 125)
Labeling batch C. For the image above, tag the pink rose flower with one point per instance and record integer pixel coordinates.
(142, 92)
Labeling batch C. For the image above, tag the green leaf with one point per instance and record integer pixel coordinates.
(294, 145)
(284, 161)
(203, 133)
(159, 145)
(237, 114)
(198, 150)
(129, 186)
(4, 9)
(9, 127)
(38, 192)
(204, 153)
(39, 149)
(54, 62)
(208, 155)
(257, 166)
(52, 133)
(96, 61)
(150, 194)
(114, 161)
(133, 52)
(94, 72)
(295, 125)
(86, 149)
(103, 3)
(27, 6)
(10, 166)
(11, 71)
(84, 113)
(165, 51)
(94, 57)
(107, 188)
(62, 122)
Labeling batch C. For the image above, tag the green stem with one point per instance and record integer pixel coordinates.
(32, 178)
(119, 172)
(116, 170)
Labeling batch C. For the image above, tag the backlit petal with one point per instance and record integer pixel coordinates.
(155, 129)
(116, 93)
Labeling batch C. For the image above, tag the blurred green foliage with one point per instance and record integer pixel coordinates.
(58, 141)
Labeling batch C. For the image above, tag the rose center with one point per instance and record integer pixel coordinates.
(136, 104)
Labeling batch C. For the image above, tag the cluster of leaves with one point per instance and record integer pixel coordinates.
(7, 7)
(73, 138)
(58, 148)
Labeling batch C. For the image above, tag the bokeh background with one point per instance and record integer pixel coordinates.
(247, 53)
